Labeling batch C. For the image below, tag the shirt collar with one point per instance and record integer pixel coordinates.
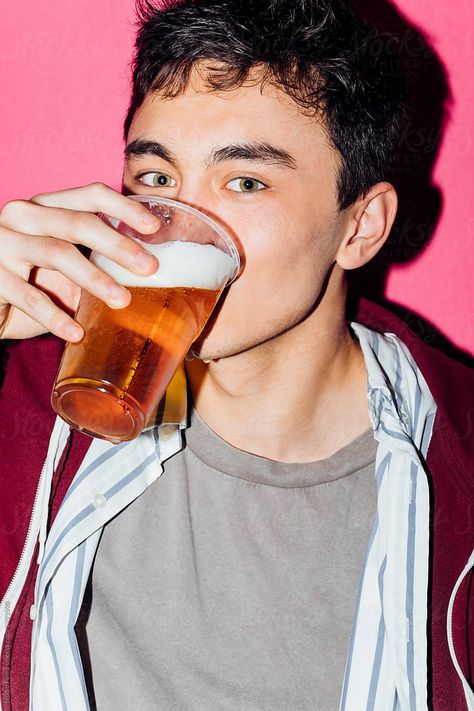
(172, 408)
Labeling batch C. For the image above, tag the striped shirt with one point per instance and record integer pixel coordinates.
(387, 660)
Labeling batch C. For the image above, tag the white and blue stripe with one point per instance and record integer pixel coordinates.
(387, 664)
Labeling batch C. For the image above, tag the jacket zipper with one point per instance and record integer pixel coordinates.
(38, 517)
(468, 693)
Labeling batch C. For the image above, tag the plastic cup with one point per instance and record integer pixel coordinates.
(110, 383)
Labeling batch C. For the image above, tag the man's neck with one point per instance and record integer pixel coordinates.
(297, 398)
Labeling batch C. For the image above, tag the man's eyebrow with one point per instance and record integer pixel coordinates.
(140, 147)
(252, 151)
(255, 151)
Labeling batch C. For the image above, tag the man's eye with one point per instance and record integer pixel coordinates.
(246, 185)
(157, 180)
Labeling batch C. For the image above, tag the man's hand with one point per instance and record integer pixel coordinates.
(42, 272)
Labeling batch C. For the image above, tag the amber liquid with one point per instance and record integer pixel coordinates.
(128, 356)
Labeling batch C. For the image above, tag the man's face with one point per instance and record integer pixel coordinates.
(267, 172)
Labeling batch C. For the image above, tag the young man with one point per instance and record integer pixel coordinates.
(296, 530)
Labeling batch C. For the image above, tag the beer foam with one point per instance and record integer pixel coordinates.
(190, 264)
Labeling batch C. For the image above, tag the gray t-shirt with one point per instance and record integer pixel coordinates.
(230, 583)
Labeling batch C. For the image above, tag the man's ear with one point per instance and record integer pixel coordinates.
(368, 225)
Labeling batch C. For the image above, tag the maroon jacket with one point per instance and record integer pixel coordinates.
(26, 422)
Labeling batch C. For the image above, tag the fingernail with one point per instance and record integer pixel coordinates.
(150, 220)
(73, 332)
(117, 295)
(116, 291)
(145, 261)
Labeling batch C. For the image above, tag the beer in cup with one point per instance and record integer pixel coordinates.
(110, 383)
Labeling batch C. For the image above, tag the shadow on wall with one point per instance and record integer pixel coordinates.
(420, 200)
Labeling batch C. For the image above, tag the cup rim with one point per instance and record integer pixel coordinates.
(201, 215)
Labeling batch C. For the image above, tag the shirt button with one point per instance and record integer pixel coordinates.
(33, 612)
(99, 501)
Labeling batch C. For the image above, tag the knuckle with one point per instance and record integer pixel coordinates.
(58, 249)
(98, 188)
(56, 322)
(5, 238)
(33, 299)
(125, 246)
(13, 209)
(98, 280)
(42, 198)
(78, 222)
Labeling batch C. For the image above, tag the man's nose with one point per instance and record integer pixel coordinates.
(196, 198)
(201, 200)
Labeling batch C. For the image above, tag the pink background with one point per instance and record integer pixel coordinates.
(64, 69)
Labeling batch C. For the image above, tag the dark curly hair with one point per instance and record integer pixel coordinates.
(317, 51)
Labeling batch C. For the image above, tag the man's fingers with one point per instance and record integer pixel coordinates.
(98, 197)
(39, 307)
(75, 227)
(63, 257)
(42, 237)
